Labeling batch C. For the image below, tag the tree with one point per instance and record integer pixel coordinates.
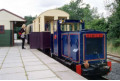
(29, 19)
(76, 11)
(114, 20)
(79, 10)
(73, 9)
(99, 24)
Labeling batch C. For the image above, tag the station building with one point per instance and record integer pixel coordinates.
(48, 16)
(8, 21)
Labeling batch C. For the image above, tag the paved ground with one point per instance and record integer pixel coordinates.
(31, 64)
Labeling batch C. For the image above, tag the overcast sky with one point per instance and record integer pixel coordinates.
(35, 7)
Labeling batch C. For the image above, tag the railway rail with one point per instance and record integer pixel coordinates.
(114, 58)
(97, 78)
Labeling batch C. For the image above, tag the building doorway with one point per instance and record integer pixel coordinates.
(15, 26)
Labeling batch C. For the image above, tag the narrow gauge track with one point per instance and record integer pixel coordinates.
(96, 78)
(114, 58)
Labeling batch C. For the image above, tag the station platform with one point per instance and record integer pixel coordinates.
(31, 64)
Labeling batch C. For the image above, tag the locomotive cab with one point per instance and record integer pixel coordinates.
(85, 50)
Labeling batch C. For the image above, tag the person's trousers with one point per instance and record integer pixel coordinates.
(23, 42)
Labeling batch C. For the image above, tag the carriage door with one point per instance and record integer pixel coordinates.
(74, 47)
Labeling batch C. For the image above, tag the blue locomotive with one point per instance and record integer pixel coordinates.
(85, 50)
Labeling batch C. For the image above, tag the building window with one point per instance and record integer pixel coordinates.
(2, 29)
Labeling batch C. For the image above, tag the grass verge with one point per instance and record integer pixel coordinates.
(113, 46)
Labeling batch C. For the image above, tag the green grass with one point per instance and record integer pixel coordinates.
(113, 47)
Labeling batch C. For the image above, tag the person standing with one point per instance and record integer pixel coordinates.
(22, 35)
(47, 25)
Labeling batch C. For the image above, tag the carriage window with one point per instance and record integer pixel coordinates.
(47, 26)
(1, 28)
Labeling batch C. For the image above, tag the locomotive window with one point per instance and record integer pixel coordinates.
(64, 27)
(55, 26)
(94, 46)
(70, 27)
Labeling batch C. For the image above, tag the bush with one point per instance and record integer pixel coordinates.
(116, 43)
